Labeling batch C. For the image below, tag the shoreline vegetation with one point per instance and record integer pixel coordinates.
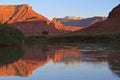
(11, 36)
(15, 36)
(96, 38)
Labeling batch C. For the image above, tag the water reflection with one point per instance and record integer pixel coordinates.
(16, 62)
(10, 55)
(114, 62)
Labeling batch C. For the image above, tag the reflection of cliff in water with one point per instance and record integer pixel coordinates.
(75, 56)
(24, 66)
(114, 62)
(8, 59)
(36, 57)
(10, 55)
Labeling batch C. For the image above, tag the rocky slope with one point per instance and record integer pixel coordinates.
(19, 13)
(110, 25)
(30, 22)
(76, 21)
(115, 13)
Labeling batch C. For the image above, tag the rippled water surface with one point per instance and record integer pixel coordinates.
(61, 62)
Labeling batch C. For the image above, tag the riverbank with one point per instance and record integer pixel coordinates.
(98, 38)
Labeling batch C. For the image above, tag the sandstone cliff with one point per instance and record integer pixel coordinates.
(30, 22)
(19, 13)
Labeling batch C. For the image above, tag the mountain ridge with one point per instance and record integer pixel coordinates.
(109, 26)
(18, 13)
(85, 22)
(30, 22)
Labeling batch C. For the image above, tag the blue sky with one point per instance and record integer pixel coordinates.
(62, 8)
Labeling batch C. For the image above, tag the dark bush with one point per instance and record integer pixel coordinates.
(10, 35)
(45, 33)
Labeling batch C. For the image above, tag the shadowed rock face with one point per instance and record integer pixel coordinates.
(115, 13)
(110, 25)
(30, 22)
(76, 21)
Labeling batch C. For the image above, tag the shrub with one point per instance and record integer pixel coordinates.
(10, 35)
(45, 33)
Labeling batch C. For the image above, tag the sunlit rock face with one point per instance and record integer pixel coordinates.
(58, 25)
(19, 13)
(30, 22)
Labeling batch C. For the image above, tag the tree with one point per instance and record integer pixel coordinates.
(45, 33)
(10, 35)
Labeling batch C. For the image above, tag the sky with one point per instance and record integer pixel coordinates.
(62, 8)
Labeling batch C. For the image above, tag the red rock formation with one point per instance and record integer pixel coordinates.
(110, 25)
(73, 28)
(19, 13)
(115, 13)
(57, 24)
(30, 22)
(60, 26)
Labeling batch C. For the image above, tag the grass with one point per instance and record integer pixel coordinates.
(98, 38)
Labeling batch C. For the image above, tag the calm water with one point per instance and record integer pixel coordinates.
(60, 62)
